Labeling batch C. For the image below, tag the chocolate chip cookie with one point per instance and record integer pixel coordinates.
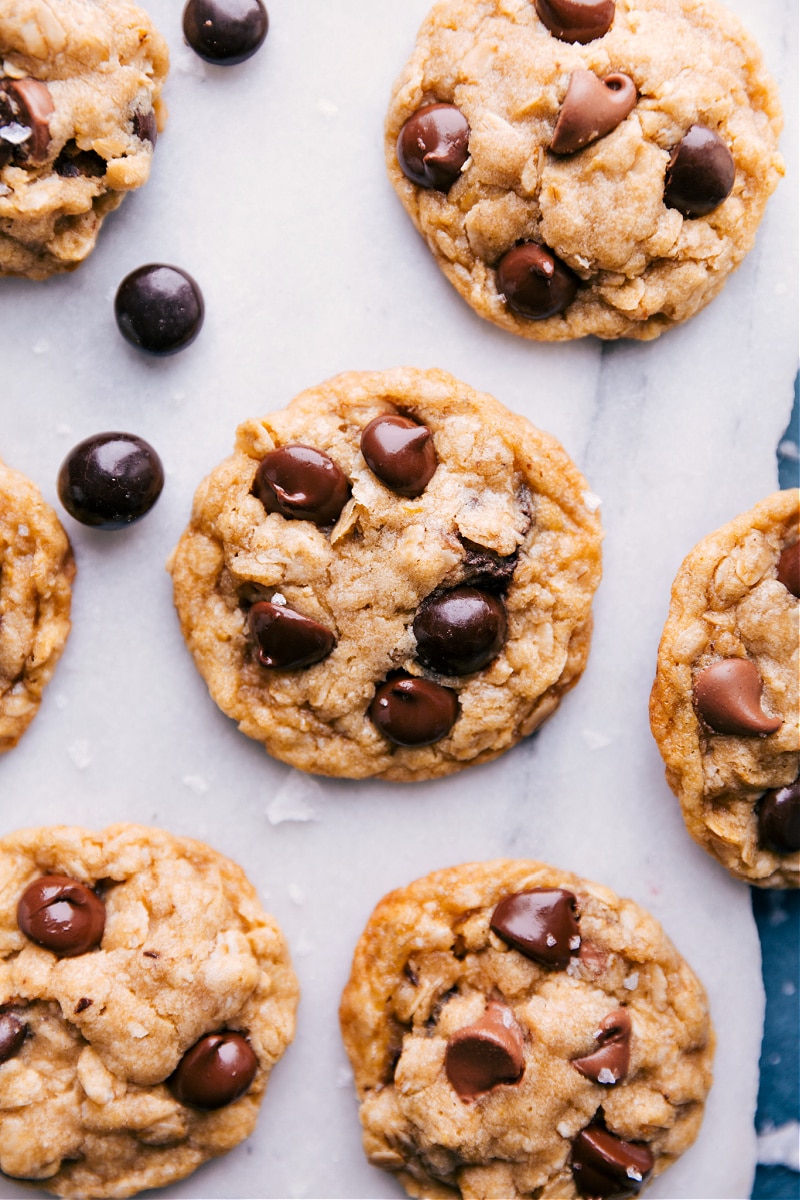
(724, 707)
(585, 168)
(391, 577)
(36, 573)
(516, 1031)
(144, 998)
(80, 108)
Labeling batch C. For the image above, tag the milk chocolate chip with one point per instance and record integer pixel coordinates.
(62, 915)
(400, 452)
(603, 1165)
(286, 639)
(541, 923)
(789, 569)
(25, 110)
(302, 484)
(700, 173)
(576, 20)
(216, 1071)
(534, 283)
(12, 1036)
(779, 819)
(592, 108)
(460, 631)
(413, 712)
(482, 1056)
(432, 146)
(610, 1061)
(727, 696)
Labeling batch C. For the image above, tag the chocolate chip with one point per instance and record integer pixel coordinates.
(576, 20)
(460, 631)
(83, 1004)
(73, 162)
(301, 483)
(700, 173)
(286, 639)
(485, 569)
(727, 696)
(592, 108)
(216, 1071)
(541, 923)
(779, 819)
(432, 146)
(485, 1055)
(610, 1061)
(145, 127)
(25, 110)
(534, 283)
(110, 480)
(62, 915)
(789, 569)
(603, 1165)
(159, 308)
(225, 32)
(413, 712)
(400, 452)
(12, 1035)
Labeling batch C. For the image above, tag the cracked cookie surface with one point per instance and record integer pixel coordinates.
(187, 951)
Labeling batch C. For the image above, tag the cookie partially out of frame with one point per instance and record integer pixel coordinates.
(518, 1032)
(724, 707)
(590, 168)
(80, 84)
(144, 999)
(403, 614)
(36, 573)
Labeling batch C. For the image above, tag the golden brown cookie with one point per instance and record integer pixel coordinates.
(518, 1032)
(144, 999)
(393, 576)
(724, 707)
(598, 175)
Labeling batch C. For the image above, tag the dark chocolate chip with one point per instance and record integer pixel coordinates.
(727, 696)
(603, 1165)
(72, 163)
(159, 308)
(400, 452)
(62, 915)
(789, 569)
(485, 569)
(110, 480)
(301, 483)
(83, 1004)
(145, 126)
(216, 1071)
(592, 108)
(225, 32)
(432, 146)
(25, 110)
(541, 923)
(576, 20)
(779, 819)
(12, 1035)
(460, 631)
(413, 712)
(485, 1055)
(286, 639)
(609, 1063)
(534, 283)
(700, 173)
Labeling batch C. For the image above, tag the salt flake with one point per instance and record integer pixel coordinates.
(293, 800)
(551, 941)
(604, 1075)
(591, 501)
(632, 981)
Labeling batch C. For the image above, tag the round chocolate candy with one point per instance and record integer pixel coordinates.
(460, 631)
(433, 146)
(225, 32)
(789, 569)
(482, 1056)
(110, 480)
(301, 483)
(700, 173)
(400, 452)
(12, 1036)
(727, 696)
(542, 923)
(779, 819)
(534, 283)
(286, 639)
(576, 20)
(159, 309)
(604, 1165)
(61, 915)
(609, 1063)
(216, 1071)
(410, 711)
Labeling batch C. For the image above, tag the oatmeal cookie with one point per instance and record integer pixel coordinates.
(80, 108)
(36, 573)
(592, 168)
(516, 1031)
(393, 576)
(724, 707)
(144, 999)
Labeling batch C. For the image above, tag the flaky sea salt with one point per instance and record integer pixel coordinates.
(591, 501)
(574, 942)
(293, 800)
(80, 753)
(632, 981)
(605, 1076)
(551, 941)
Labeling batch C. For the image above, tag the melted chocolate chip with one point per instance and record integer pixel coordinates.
(485, 1055)
(700, 173)
(145, 126)
(727, 696)
(25, 110)
(159, 309)
(413, 712)
(460, 631)
(286, 639)
(603, 1165)
(301, 483)
(485, 569)
(534, 283)
(225, 32)
(779, 819)
(400, 452)
(541, 923)
(110, 480)
(216, 1071)
(609, 1063)
(433, 146)
(12, 1035)
(592, 108)
(73, 162)
(62, 915)
(789, 569)
(83, 1004)
(576, 20)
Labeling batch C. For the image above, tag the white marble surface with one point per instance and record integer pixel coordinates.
(269, 188)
